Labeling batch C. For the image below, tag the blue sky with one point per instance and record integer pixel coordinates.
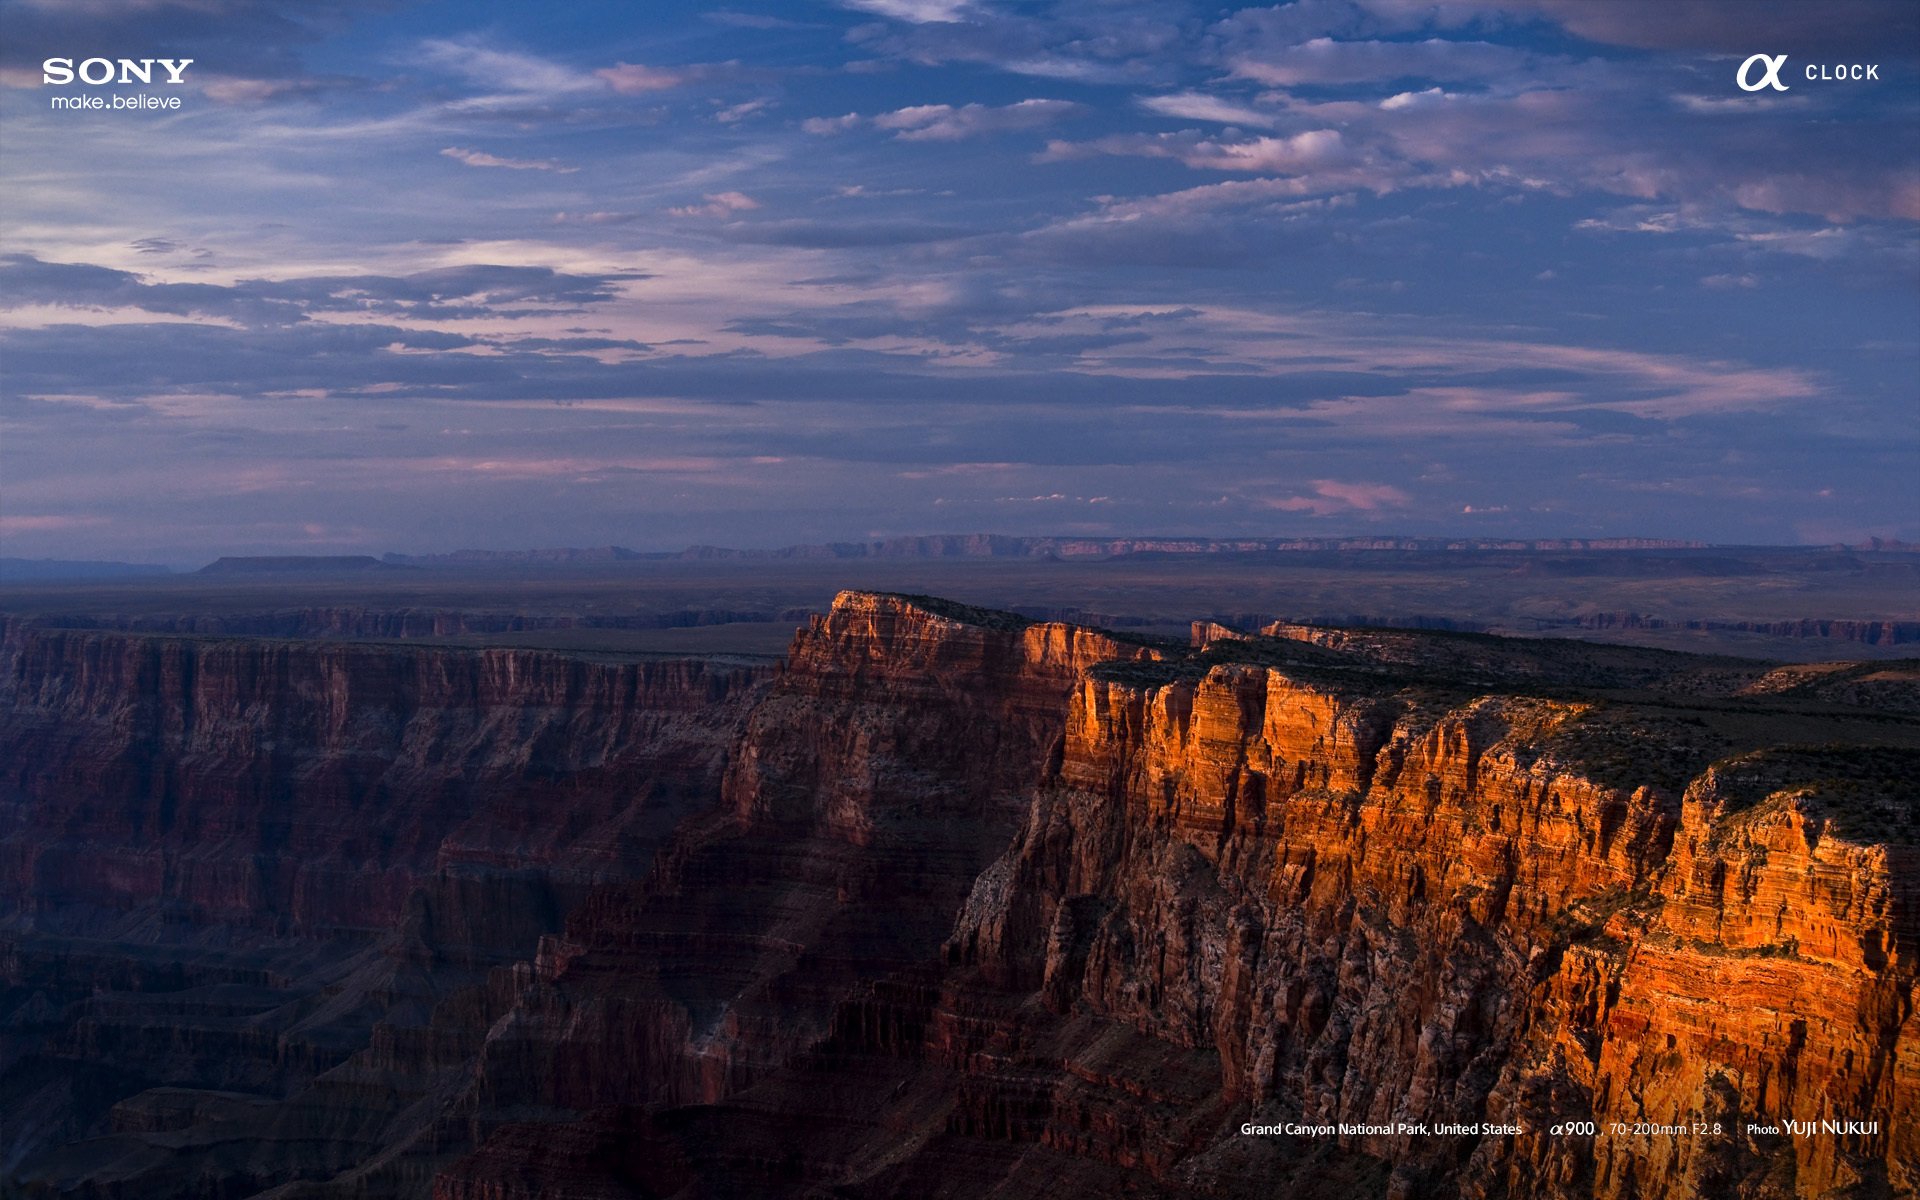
(424, 276)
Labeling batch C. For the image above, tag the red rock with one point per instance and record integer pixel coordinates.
(975, 905)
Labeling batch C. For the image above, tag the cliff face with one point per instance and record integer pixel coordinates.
(1386, 910)
(884, 770)
(226, 865)
(310, 786)
(1386, 880)
(1771, 978)
(959, 905)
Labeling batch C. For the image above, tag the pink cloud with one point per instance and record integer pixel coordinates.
(718, 204)
(1331, 496)
(630, 79)
(477, 158)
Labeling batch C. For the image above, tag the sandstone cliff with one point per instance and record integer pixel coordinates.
(960, 904)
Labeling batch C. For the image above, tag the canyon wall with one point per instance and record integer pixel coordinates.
(226, 865)
(957, 904)
(1397, 909)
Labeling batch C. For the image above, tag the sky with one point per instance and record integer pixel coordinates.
(423, 276)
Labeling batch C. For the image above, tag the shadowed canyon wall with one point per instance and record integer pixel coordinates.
(226, 866)
(955, 904)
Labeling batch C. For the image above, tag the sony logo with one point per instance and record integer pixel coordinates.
(101, 71)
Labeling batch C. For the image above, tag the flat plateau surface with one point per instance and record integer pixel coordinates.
(1675, 599)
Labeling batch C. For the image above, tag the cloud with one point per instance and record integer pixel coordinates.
(250, 39)
(917, 12)
(1140, 409)
(740, 20)
(1310, 162)
(1302, 151)
(477, 158)
(795, 231)
(1710, 25)
(232, 90)
(946, 123)
(1744, 105)
(1340, 283)
(1326, 61)
(739, 112)
(595, 218)
(942, 123)
(718, 204)
(1299, 154)
(1198, 106)
(1113, 42)
(25, 523)
(826, 125)
(631, 79)
(509, 79)
(1608, 131)
(1869, 250)
(1492, 113)
(1237, 222)
(1331, 497)
(1713, 26)
(498, 70)
(859, 191)
(1400, 100)
(446, 293)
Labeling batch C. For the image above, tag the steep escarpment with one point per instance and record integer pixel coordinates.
(308, 786)
(886, 768)
(227, 866)
(1407, 909)
(975, 905)
(1382, 882)
(1392, 882)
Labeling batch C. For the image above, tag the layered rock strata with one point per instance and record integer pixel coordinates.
(980, 906)
(226, 867)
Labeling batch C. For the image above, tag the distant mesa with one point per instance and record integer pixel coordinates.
(1000, 546)
(297, 564)
(1051, 549)
(988, 545)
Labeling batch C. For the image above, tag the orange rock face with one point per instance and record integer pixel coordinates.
(1381, 910)
(974, 905)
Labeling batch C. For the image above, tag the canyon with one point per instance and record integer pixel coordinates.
(949, 901)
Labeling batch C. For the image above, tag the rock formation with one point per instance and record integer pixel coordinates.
(957, 904)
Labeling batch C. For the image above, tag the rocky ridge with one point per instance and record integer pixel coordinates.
(978, 905)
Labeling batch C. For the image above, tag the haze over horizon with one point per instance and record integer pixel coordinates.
(426, 276)
(892, 547)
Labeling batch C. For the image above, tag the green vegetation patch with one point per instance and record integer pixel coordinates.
(1867, 794)
(1626, 747)
(966, 614)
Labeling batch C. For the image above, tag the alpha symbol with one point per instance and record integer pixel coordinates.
(1772, 76)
